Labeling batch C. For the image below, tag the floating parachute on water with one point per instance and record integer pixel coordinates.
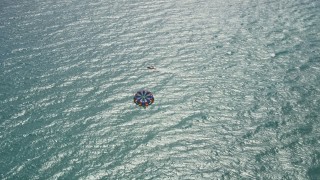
(143, 98)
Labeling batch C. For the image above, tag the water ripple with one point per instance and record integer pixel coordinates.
(236, 90)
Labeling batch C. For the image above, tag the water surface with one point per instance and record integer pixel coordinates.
(236, 89)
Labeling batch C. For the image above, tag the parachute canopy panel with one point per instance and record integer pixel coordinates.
(143, 98)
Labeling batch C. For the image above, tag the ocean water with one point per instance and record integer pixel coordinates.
(236, 87)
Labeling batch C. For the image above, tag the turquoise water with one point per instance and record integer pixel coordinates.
(236, 87)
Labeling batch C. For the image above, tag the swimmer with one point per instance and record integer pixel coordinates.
(151, 67)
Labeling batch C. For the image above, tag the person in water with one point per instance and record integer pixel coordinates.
(151, 67)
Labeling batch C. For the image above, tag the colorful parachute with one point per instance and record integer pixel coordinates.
(143, 98)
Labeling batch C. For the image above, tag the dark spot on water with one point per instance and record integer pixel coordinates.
(263, 168)
(304, 130)
(286, 109)
(286, 177)
(271, 112)
(230, 66)
(311, 141)
(247, 135)
(316, 158)
(312, 116)
(283, 122)
(304, 67)
(258, 158)
(271, 124)
(186, 126)
(257, 130)
(314, 173)
(188, 121)
(226, 175)
(297, 161)
(282, 53)
(219, 46)
(291, 145)
(314, 59)
(255, 108)
(270, 152)
(204, 117)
